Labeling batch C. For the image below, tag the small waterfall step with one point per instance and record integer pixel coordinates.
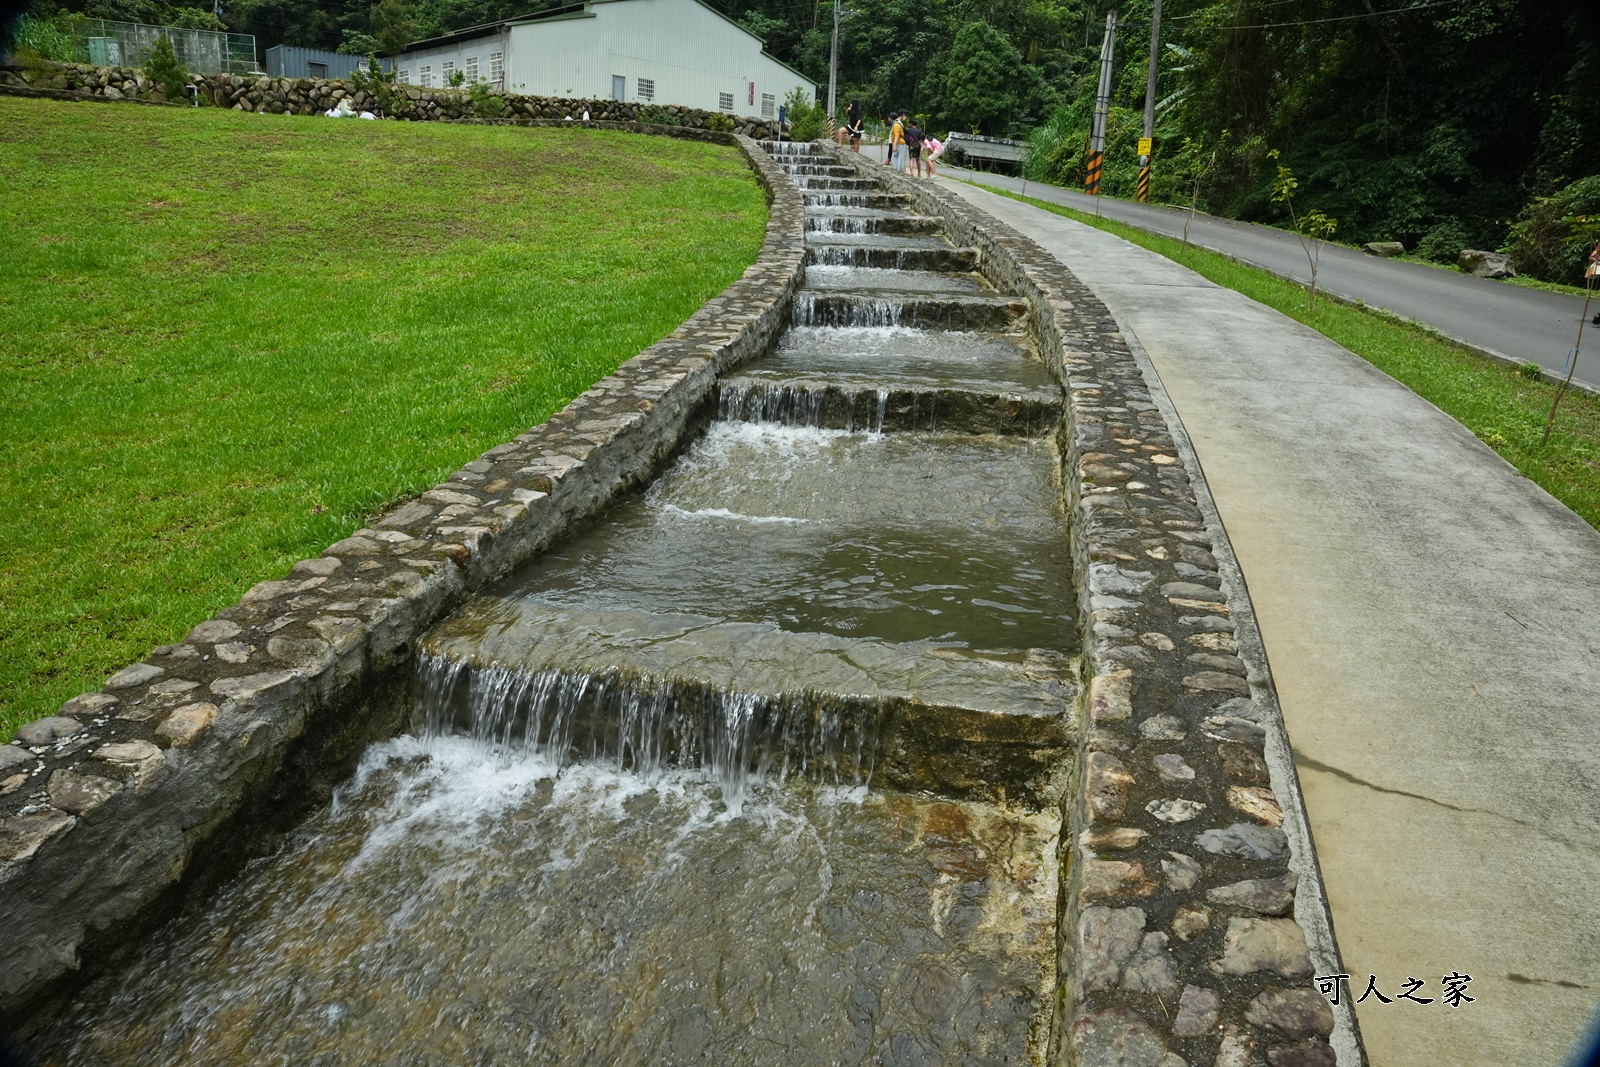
(942, 258)
(827, 183)
(889, 281)
(945, 311)
(896, 355)
(930, 241)
(651, 690)
(864, 220)
(888, 408)
(880, 201)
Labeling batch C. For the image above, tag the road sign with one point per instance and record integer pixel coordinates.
(1144, 146)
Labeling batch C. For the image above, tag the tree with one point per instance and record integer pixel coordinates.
(164, 69)
(1313, 228)
(982, 84)
(393, 26)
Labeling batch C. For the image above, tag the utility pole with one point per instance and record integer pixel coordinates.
(1146, 143)
(1102, 102)
(833, 74)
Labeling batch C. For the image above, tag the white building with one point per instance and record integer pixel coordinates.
(639, 51)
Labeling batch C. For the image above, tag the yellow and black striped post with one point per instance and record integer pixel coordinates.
(1144, 181)
(1092, 184)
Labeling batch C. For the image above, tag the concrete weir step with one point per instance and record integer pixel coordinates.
(863, 221)
(946, 311)
(919, 716)
(831, 170)
(889, 408)
(893, 257)
(823, 199)
(820, 182)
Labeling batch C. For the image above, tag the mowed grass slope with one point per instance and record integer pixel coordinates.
(227, 339)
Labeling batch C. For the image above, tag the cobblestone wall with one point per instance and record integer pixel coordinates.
(148, 792)
(311, 96)
(1185, 910)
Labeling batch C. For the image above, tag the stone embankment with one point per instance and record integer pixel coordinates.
(1186, 906)
(134, 799)
(311, 96)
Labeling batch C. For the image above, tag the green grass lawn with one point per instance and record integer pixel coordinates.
(228, 339)
(1501, 406)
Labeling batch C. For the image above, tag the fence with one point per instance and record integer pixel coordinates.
(128, 44)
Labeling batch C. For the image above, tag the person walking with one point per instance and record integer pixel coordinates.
(897, 143)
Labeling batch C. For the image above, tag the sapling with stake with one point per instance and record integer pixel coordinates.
(1312, 229)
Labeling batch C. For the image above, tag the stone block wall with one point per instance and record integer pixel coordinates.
(1193, 916)
(312, 96)
(133, 800)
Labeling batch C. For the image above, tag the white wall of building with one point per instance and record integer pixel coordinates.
(664, 52)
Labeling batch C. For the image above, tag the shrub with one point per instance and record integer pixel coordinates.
(164, 69)
(805, 116)
(1443, 243)
(657, 116)
(50, 39)
(458, 78)
(1552, 239)
(484, 102)
(720, 122)
(379, 84)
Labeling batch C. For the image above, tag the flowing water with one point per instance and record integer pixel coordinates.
(756, 769)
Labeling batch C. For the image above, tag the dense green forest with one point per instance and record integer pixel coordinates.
(1440, 123)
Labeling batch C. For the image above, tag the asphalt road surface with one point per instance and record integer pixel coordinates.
(1525, 324)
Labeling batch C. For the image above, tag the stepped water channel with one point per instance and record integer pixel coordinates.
(762, 767)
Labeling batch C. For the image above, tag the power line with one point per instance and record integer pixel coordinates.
(1197, 14)
(1335, 18)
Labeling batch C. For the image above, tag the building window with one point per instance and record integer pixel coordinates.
(497, 67)
(647, 88)
(425, 77)
(472, 69)
(724, 101)
(403, 78)
(446, 69)
(316, 70)
(768, 105)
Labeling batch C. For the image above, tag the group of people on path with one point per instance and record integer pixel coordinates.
(910, 149)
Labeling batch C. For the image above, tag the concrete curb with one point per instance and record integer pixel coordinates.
(135, 802)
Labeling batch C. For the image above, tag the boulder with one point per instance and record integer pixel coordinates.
(1486, 264)
(1383, 248)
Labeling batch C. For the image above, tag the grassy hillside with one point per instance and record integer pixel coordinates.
(228, 339)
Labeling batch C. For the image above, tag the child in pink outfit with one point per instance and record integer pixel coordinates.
(931, 147)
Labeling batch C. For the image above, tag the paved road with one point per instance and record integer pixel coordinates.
(1525, 324)
(1429, 615)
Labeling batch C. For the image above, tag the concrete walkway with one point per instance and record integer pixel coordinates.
(1523, 324)
(1432, 620)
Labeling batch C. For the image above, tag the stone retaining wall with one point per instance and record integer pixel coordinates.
(312, 96)
(134, 800)
(1179, 935)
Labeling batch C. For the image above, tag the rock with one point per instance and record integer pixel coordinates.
(1312, 1052)
(281, 587)
(88, 705)
(251, 686)
(305, 654)
(1113, 879)
(1182, 871)
(1243, 764)
(1238, 1048)
(48, 731)
(1190, 921)
(1486, 264)
(1172, 768)
(1384, 248)
(187, 723)
(14, 756)
(21, 835)
(1214, 642)
(1105, 784)
(1111, 696)
(1110, 937)
(1199, 1010)
(1163, 728)
(1256, 801)
(137, 674)
(1246, 840)
(1175, 811)
(1216, 682)
(172, 687)
(1232, 728)
(1294, 1013)
(1212, 661)
(81, 794)
(1275, 945)
(1106, 578)
(1112, 839)
(234, 651)
(1117, 1037)
(1193, 591)
(341, 633)
(1265, 896)
(1152, 968)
